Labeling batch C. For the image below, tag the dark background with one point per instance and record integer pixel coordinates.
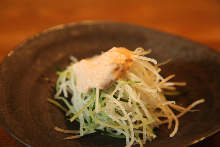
(198, 20)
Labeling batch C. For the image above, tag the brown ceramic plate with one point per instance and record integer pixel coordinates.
(24, 85)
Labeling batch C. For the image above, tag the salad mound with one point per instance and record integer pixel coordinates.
(120, 93)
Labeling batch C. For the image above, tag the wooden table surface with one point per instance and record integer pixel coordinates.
(198, 20)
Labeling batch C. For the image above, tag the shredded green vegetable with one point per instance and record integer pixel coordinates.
(57, 104)
(130, 108)
(84, 107)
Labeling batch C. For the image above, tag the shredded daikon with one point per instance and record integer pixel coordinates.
(130, 108)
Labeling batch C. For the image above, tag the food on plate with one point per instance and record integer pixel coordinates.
(119, 93)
